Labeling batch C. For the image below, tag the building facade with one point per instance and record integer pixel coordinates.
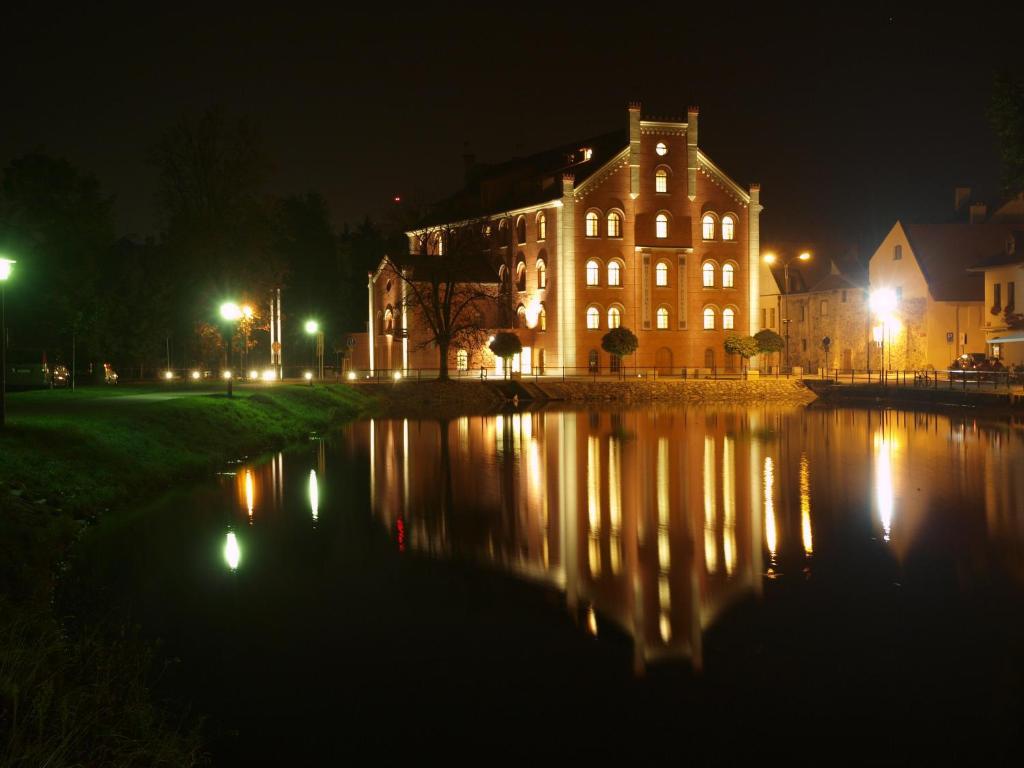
(637, 228)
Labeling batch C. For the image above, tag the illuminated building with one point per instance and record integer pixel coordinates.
(635, 228)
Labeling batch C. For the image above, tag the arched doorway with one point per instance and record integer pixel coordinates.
(663, 361)
(592, 362)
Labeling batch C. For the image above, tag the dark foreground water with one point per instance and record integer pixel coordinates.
(771, 584)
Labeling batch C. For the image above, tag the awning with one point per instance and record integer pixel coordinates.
(1006, 339)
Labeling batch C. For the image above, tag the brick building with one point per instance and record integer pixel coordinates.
(635, 228)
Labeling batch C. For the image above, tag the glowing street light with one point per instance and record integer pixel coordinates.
(231, 313)
(771, 258)
(882, 303)
(312, 327)
(232, 552)
(6, 268)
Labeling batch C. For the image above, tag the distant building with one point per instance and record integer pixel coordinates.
(826, 299)
(1003, 273)
(635, 228)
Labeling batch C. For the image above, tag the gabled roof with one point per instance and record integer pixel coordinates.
(1004, 258)
(835, 282)
(945, 252)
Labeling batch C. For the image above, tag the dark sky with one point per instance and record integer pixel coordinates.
(848, 120)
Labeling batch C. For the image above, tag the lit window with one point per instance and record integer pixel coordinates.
(587, 153)
(389, 321)
(614, 317)
(661, 149)
(542, 319)
(661, 226)
(592, 219)
(462, 360)
(440, 244)
(661, 274)
(542, 274)
(728, 274)
(662, 316)
(708, 227)
(614, 273)
(709, 319)
(728, 228)
(661, 180)
(593, 318)
(614, 224)
(708, 271)
(521, 316)
(728, 319)
(593, 273)
(542, 226)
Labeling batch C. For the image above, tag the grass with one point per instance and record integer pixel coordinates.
(77, 693)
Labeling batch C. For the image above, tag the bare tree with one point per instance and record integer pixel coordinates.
(451, 288)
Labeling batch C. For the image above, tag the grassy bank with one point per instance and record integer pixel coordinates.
(79, 695)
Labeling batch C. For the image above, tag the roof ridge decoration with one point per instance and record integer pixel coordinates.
(721, 178)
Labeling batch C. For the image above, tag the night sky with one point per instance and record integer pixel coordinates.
(848, 121)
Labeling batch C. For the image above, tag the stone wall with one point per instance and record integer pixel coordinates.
(690, 391)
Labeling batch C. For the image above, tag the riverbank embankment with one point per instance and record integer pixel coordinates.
(1011, 401)
(426, 399)
(80, 695)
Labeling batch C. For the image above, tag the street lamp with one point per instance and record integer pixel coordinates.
(313, 329)
(231, 313)
(882, 304)
(6, 267)
(771, 258)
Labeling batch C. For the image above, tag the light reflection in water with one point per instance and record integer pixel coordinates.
(805, 505)
(771, 534)
(314, 494)
(249, 493)
(591, 621)
(883, 481)
(232, 552)
(722, 492)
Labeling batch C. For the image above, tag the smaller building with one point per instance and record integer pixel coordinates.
(1004, 318)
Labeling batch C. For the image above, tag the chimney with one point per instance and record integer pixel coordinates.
(978, 212)
(691, 152)
(634, 149)
(961, 196)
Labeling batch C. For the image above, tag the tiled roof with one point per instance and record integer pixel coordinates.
(946, 251)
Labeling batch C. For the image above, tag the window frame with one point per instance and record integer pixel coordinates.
(661, 268)
(729, 269)
(661, 218)
(661, 312)
(592, 216)
(616, 216)
(542, 226)
(706, 313)
(617, 310)
(596, 270)
(593, 311)
(706, 219)
(729, 319)
(731, 218)
(705, 271)
(661, 176)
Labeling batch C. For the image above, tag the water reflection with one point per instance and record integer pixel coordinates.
(232, 552)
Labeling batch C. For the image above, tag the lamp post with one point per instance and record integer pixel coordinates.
(247, 315)
(771, 258)
(6, 267)
(882, 304)
(231, 313)
(313, 329)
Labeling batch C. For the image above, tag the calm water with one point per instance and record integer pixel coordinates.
(707, 583)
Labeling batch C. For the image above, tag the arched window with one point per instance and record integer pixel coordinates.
(614, 224)
(708, 270)
(593, 273)
(592, 220)
(614, 317)
(439, 244)
(661, 149)
(521, 276)
(728, 228)
(662, 316)
(542, 226)
(520, 316)
(593, 318)
(389, 321)
(503, 274)
(728, 319)
(728, 275)
(661, 180)
(542, 274)
(462, 360)
(521, 230)
(542, 319)
(708, 227)
(661, 225)
(614, 273)
(661, 274)
(709, 318)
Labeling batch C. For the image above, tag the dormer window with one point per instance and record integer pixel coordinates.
(587, 153)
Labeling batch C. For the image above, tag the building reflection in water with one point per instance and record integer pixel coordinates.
(668, 516)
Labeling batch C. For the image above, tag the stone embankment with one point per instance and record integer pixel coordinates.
(434, 398)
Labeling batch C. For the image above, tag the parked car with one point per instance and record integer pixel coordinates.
(29, 369)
